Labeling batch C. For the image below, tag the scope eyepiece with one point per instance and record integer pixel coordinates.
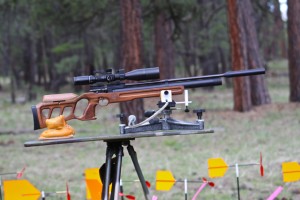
(137, 74)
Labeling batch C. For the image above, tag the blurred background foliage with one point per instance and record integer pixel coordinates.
(43, 43)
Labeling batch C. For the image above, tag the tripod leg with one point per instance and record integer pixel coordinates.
(116, 185)
(0, 188)
(105, 188)
(133, 156)
(121, 190)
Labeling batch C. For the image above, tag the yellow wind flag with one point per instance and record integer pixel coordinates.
(290, 171)
(20, 190)
(164, 180)
(217, 167)
(93, 184)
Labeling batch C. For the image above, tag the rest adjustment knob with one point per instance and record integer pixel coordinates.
(149, 113)
(199, 112)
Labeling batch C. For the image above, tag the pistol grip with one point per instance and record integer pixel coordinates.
(90, 111)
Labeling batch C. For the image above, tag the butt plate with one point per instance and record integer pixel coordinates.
(35, 118)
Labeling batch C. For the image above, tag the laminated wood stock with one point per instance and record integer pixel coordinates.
(69, 100)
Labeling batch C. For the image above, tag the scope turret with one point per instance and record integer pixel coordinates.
(137, 74)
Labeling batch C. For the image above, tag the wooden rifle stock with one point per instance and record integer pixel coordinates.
(69, 100)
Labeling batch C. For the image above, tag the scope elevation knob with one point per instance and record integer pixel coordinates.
(199, 112)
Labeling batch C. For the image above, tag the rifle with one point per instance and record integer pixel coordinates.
(115, 91)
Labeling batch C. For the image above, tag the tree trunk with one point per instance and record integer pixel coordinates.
(259, 91)
(294, 49)
(241, 85)
(245, 54)
(164, 50)
(131, 50)
(279, 30)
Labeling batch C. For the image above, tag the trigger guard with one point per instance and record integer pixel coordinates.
(103, 102)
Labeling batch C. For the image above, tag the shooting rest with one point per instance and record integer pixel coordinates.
(115, 145)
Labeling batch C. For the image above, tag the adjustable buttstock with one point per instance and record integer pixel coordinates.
(51, 103)
(36, 121)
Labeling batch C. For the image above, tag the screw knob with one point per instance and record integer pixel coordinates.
(199, 112)
(149, 113)
(121, 116)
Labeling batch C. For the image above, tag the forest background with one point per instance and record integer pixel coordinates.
(44, 44)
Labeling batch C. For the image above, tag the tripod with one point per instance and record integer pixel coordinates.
(115, 145)
(116, 148)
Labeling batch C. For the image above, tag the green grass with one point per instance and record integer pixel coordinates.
(239, 138)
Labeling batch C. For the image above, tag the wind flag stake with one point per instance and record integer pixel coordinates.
(290, 171)
(185, 189)
(148, 184)
(0, 188)
(19, 174)
(121, 188)
(8, 173)
(43, 195)
(237, 180)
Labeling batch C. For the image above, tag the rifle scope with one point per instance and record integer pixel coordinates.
(137, 75)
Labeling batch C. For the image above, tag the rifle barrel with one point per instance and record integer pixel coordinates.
(229, 74)
(248, 72)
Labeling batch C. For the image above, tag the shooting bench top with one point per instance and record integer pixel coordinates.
(115, 138)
